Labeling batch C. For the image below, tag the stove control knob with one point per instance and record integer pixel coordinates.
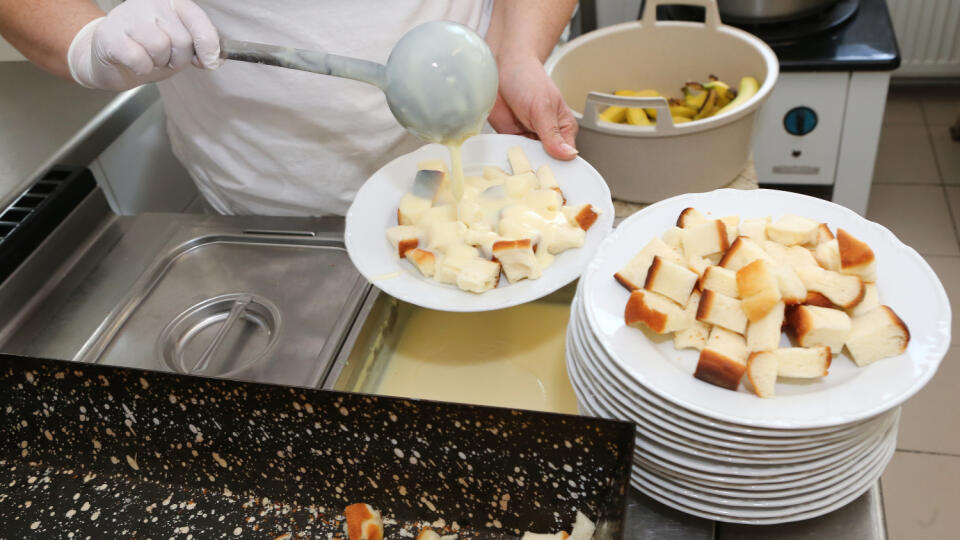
(800, 120)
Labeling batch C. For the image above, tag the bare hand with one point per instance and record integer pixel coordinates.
(530, 104)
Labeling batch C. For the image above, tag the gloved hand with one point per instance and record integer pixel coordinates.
(142, 41)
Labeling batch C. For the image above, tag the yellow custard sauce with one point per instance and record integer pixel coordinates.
(508, 358)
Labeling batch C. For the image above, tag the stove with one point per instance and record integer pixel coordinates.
(818, 131)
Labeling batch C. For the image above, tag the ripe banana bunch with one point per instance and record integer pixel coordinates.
(699, 101)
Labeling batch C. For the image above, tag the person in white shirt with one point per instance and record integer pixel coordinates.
(271, 141)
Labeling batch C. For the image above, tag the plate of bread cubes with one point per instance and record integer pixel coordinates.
(516, 226)
(766, 308)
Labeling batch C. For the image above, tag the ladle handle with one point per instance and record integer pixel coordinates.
(303, 60)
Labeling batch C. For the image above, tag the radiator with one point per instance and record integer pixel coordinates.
(928, 32)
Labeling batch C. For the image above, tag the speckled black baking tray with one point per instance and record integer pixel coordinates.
(105, 452)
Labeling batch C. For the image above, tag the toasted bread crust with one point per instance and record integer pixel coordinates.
(722, 231)
(502, 245)
(853, 252)
(824, 234)
(637, 311)
(685, 214)
(731, 251)
(895, 319)
(357, 515)
(563, 198)
(400, 218)
(655, 268)
(750, 372)
(798, 321)
(586, 217)
(420, 255)
(626, 283)
(719, 370)
(406, 245)
(816, 299)
(859, 298)
(706, 304)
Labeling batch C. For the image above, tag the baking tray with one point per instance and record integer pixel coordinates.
(110, 452)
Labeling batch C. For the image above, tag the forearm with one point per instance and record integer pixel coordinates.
(43, 29)
(527, 27)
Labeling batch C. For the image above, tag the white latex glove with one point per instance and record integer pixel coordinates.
(142, 41)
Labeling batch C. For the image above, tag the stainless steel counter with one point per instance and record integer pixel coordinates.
(64, 292)
(46, 120)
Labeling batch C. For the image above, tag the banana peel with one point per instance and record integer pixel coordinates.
(636, 117)
(614, 114)
(700, 100)
(725, 94)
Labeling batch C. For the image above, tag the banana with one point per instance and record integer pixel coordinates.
(651, 113)
(636, 117)
(679, 108)
(748, 87)
(694, 95)
(681, 119)
(613, 114)
(709, 105)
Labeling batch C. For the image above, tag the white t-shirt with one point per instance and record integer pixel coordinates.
(271, 141)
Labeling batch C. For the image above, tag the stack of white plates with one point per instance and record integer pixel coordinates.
(732, 456)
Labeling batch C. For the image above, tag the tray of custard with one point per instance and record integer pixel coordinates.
(506, 358)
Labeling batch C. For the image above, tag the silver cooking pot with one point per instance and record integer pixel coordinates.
(769, 10)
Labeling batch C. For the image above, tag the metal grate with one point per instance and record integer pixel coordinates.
(37, 211)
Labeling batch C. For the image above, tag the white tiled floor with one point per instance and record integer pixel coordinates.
(916, 194)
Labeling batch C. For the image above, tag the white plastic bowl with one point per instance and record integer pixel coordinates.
(650, 163)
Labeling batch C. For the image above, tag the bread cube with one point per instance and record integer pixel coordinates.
(715, 258)
(856, 257)
(795, 256)
(878, 333)
(518, 160)
(724, 360)
(428, 534)
(670, 279)
(654, 311)
(698, 264)
(705, 238)
(764, 334)
(759, 289)
(411, 208)
(425, 261)
(673, 237)
(440, 236)
(721, 310)
(843, 290)
(584, 215)
(403, 238)
(803, 362)
(792, 290)
(814, 325)
(755, 229)
(517, 259)
(694, 337)
(496, 175)
(583, 528)
(824, 234)
(564, 237)
(720, 279)
(792, 230)
(762, 373)
(547, 203)
(451, 263)
(828, 255)
(871, 299)
(742, 252)
(482, 240)
(519, 185)
(816, 299)
(433, 165)
(478, 275)
(546, 178)
(634, 274)
(363, 522)
(689, 217)
(732, 225)
(427, 182)
(437, 214)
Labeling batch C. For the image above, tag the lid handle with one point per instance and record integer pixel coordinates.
(712, 19)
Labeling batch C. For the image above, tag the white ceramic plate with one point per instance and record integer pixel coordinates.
(638, 410)
(906, 283)
(374, 210)
(736, 436)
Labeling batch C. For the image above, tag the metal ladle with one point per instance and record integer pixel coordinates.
(440, 79)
